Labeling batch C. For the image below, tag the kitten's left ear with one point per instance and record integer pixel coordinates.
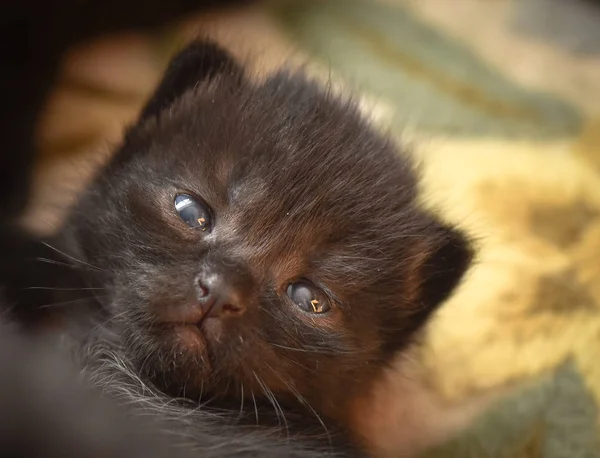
(197, 62)
(439, 263)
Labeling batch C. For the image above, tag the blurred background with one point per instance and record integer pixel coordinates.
(499, 100)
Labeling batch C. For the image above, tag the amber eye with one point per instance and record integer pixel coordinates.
(308, 297)
(193, 212)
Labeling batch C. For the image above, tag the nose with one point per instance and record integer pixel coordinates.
(219, 296)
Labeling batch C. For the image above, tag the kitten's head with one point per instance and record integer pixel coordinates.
(260, 237)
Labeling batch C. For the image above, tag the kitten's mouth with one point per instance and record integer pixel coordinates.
(187, 322)
(191, 336)
(191, 325)
(183, 315)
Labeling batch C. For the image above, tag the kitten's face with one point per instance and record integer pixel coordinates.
(264, 238)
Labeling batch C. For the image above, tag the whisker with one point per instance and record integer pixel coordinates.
(52, 225)
(273, 400)
(264, 390)
(58, 263)
(202, 394)
(48, 288)
(143, 365)
(104, 323)
(60, 304)
(315, 350)
(73, 258)
(242, 398)
(255, 407)
(295, 362)
(302, 400)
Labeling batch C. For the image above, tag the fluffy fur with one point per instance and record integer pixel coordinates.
(299, 187)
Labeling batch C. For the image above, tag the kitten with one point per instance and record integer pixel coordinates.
(254, 244)
(34, 39)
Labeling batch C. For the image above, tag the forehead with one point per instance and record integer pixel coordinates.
(286, 135)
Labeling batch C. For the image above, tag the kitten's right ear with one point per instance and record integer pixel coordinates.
(437, 266)
(199, 61)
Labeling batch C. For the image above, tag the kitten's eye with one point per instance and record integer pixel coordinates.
(192, 211)
(308, 297)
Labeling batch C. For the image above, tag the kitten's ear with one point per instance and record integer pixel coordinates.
(438, 265)
(199, 61)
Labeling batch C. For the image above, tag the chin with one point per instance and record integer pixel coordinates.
(175, 358)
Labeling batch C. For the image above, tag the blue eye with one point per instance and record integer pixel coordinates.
(193, 212)
(308, 297)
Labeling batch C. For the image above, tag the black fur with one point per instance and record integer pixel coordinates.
(299, 187)
(198, 62)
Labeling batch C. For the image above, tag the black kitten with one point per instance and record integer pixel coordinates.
(256, 243)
